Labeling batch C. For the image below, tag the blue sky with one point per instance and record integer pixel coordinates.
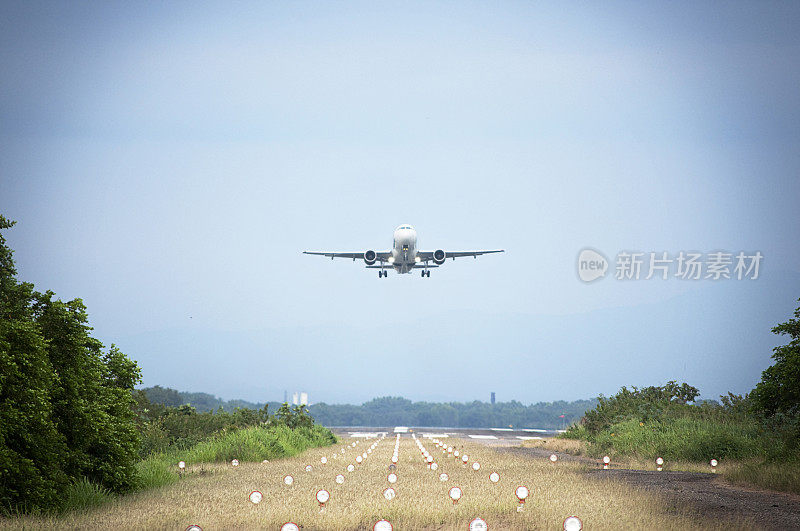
(168, 162)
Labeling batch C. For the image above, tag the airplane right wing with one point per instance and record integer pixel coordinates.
(379, 256)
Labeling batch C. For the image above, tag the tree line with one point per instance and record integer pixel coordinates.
(396, 411)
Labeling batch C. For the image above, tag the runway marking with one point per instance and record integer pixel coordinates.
(481, 436)
(535, 430)
(435, 435)
(366, 434)
(502, 429)
(527, 438)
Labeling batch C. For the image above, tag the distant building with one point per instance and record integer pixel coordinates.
(492, 397)
(300, 399)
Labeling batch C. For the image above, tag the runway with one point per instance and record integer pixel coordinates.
(492, 436)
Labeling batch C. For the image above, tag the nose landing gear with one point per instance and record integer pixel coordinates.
(425, 273)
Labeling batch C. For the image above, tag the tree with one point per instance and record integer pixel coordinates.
(779, 388)
(65, 405)
(31, 449)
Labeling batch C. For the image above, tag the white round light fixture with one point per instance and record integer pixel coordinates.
(478, 524)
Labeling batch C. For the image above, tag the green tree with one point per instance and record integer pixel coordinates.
(31, 449)
(66, 406)
(92, 401)
(779, 388)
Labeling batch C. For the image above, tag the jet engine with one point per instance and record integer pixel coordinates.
(439, 256)
(370, 257)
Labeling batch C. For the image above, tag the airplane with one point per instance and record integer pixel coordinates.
(404, 256)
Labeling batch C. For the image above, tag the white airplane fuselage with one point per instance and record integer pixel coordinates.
(404, 249)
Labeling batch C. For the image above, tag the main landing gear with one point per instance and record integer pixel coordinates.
(425, 273)
(382, 273)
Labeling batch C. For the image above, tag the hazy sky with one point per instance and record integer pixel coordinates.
(167, 162)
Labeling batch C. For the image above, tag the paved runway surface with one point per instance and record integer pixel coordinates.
(500, 436)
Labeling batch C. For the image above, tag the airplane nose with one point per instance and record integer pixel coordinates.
(405, 237)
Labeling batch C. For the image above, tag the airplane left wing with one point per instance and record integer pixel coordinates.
(428, 255)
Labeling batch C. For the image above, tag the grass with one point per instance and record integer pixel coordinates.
(771, 475)
(753, 472)
(249, 444)
(682, 438)
(219, 497)
(83, 494)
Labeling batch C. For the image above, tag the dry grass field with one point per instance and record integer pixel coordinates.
(216, 496)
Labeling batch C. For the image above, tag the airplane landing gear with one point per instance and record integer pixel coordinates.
(382, 273)
(425, 273)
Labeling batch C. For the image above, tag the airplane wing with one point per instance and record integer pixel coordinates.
(381, 256)
(428, 255)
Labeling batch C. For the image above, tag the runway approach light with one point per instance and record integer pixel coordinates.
(478, 524)
(392, 478)
(288, 480)
(521, 493)
(434, 466)
(350, 467)
(455, 494)
(494, 477)
(382, 525)
(339, 479)
(465, 459)
(235, 462)
(455, 453)
(322, 497)
(389, 493)
(553, 458)
(290, 526)
(194, 527)
(443, 477)
(256, 497)
(182, 466)
(323, 460)
(476, 466)
(308, 468)
(573, 523)
(264, 462)
(606, 461)
(359, 459)
(659, 464)
(714, 465)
